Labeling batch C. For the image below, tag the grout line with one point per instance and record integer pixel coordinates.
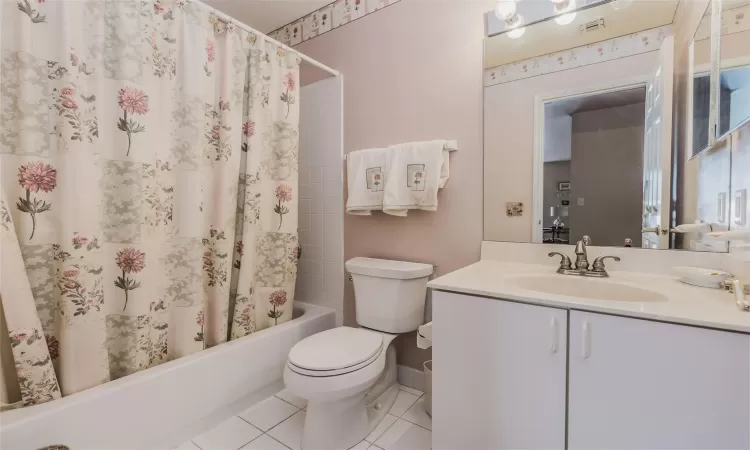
(298, 408)
(298, 411)
(278, 441)
(201, 448)
(253, 440)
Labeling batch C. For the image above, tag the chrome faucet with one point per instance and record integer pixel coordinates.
(741, 292)
(582, 262)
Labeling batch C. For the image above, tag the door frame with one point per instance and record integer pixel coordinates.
(540, 100)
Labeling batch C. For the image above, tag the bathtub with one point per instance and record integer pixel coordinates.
(163, 406)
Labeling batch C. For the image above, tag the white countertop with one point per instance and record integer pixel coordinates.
(686, 304)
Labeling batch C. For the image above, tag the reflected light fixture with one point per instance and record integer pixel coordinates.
(562, 10)
(515, 25)
(505, 9)
(516, 33)
(565, 18)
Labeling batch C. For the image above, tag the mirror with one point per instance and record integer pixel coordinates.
(578, 133)
(734, 78)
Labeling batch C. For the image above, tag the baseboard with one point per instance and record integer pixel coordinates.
(410, 377)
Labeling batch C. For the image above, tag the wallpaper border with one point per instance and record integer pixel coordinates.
(611, 49)
(327, 18)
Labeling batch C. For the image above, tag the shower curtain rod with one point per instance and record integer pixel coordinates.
(226, 18)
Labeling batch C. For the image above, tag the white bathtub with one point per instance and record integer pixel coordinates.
(161, 407)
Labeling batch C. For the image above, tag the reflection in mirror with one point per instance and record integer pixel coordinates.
(734, 84)
(582, 134)
(701, 83)
(593, 155)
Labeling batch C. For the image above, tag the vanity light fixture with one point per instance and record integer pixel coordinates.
(505, 9)
(515, 25)
(563, 11)
(565, 18)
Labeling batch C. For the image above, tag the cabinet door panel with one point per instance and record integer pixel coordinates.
(637, 384)
(498, 374)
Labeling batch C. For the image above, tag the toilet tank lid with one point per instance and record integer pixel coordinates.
(385, 268)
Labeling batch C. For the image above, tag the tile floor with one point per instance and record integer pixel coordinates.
(276, 424)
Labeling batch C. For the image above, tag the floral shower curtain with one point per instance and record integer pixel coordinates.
(148, 170)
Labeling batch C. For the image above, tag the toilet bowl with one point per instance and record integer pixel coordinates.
(347, 374)
(334, 372)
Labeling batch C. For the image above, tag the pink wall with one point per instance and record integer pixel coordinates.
(413, 71)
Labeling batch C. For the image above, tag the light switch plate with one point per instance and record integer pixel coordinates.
(580, 202)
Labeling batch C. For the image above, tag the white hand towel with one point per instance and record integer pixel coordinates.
(365, 171)
(413, 171)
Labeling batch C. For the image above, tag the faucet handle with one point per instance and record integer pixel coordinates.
(598, 265)
(735, 286)
(564, 262)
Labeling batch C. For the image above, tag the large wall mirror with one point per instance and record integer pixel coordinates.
(578, 128)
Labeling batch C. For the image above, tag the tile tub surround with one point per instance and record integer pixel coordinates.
(320, 279)
(276, 424)
(195, 392)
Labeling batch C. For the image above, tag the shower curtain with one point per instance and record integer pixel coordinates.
(148, 171)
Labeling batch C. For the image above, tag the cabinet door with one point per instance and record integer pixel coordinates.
(498, 374)
(637, 384)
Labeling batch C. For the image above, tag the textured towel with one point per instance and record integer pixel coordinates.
(414, 172)
(365, 172)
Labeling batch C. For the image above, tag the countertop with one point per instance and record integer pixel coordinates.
(685, 304)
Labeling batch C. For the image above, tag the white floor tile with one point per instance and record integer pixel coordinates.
(289, 432)
(387, 421)
(187, 446)
(269, 413)
(293, 399)
(403, 402)
(364, 445)
(410, 390)
(229, 435)
(404, 435)
(374, 447)
(417, 414)
(265, 442)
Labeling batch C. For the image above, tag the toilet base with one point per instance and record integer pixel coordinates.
(342, 424)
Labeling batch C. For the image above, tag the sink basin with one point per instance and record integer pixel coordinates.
(595, 289)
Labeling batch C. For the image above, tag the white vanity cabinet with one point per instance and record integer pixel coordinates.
(638, 384)
(498, 374)
(502, 370)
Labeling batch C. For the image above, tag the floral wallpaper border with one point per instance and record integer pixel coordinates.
(327, 18)
(620, 47)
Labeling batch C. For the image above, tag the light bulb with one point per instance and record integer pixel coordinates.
(516, 33)
(505, 9)
(565, 18)
(515, 27)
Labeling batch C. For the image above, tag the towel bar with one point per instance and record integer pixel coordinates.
(451, 146)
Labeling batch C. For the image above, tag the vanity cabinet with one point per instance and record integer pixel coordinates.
(637, 384)
(499, 374)
(502, 370)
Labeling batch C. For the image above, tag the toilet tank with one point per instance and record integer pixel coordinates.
(389, 296)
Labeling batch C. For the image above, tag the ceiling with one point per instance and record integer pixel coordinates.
(267, 15)
(574, 105)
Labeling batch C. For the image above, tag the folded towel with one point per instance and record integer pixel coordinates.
(414, 174)
(365, 171)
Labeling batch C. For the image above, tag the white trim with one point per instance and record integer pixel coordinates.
(537, 207)
(226, 18)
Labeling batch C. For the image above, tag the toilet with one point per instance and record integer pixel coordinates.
(348, 375)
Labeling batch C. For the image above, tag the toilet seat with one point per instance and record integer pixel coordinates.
(335, 352)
